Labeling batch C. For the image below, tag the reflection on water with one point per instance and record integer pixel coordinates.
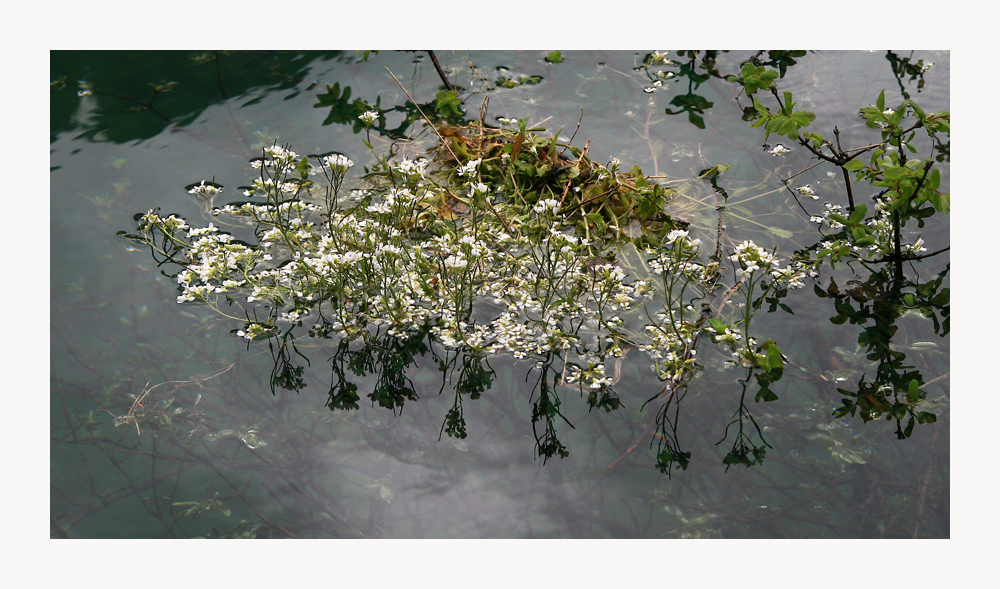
(217, 449)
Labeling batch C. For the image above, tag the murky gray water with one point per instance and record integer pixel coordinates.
(116, 328)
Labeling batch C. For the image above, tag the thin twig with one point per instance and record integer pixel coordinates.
(645, 432)
(426, 119)
(578, 162)
(440, 72)
(573, 136)
(911, 258)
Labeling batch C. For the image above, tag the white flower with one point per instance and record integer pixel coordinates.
(337, 162)
(205, 190)
(477, 189)
(412, 168)
(548, 203)
(779, 150)
(369, 117)
(470, 168)
(456, 262)
(350, 257)
(676, 234)
(381, 208)
(917, 246)
(807, 190)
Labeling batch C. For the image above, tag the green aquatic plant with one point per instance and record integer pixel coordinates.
(323, 473)
(508, 240)
(904, 190)
(497, 244)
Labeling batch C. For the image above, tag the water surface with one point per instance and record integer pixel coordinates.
(116, 328)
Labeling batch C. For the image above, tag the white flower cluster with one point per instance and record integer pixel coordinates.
(369, 117)
(592, 377)
(882, 229)
(548, 204)
(254, 331)
(752, 257)
(356, 269)
(337, 162)
(808, 190)
(205, 190)
(681, 237)
(275, 156)
(412, 171)
(829, 209)
(478, 189)
(670, 345)
(470, 168)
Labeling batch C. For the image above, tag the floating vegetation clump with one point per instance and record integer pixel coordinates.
(476, 280)
(507, 241)
(503, 241)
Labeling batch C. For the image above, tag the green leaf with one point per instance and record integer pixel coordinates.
(760, 107)
(554, 57)
(941, 201)
(853, 165)
(765, 394)
(860, 210)
(847, 408)
(894, 173)
(880, 103)
(934, 179)
(897, 116)
(802, 118)
(788, 102)
(774, 360)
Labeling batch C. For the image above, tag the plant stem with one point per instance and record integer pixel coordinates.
(440, 72)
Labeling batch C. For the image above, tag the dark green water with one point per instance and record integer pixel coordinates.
(116, 328)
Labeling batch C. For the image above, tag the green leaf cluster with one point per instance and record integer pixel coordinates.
(448, 105)
(343, 110)
(755, 78)
(786, 122)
